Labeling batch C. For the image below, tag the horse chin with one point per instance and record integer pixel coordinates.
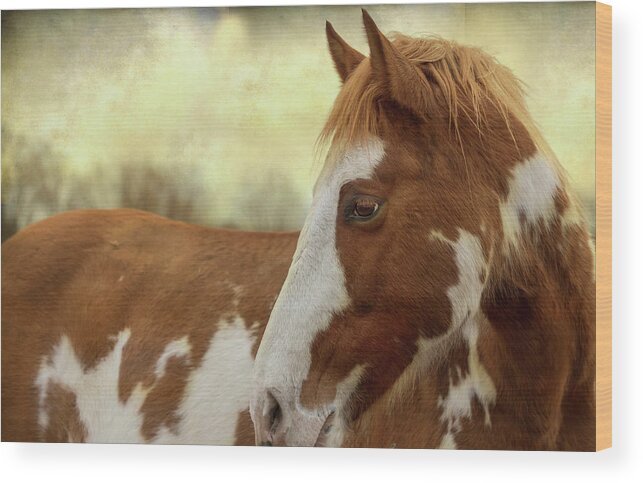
(340, 420)
(300, 430)
(317, 432)
(325, 436)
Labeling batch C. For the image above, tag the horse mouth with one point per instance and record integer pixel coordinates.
(322, 437)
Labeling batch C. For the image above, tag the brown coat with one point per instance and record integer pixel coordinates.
(90, 276)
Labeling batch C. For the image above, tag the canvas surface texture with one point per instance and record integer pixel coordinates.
(308, 226)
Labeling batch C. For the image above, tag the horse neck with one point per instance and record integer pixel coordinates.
(538, 330)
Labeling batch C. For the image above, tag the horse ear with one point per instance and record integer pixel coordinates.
(345, 57)
(406, 83)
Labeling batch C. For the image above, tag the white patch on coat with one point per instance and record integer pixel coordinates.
(476, 385)
(177, 348)
(216, 392)
(472, 273)
(105, 417)
(532, 190)
(448, 442)
(464, 297)
(313, 292)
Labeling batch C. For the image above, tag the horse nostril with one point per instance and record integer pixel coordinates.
(273, 413)
(269, 419)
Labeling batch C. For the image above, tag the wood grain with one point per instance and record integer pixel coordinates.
(603, 226)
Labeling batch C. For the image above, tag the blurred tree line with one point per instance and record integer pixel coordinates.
(37, 183)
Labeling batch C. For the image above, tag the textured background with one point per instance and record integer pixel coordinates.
(210, 115)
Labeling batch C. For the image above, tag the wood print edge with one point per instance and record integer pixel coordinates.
(603, 226)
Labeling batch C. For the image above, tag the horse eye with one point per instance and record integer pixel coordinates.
(364, 208)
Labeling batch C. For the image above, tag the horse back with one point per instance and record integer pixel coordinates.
(123, 326)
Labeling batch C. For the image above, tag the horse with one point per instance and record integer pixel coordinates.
(442, 292)
(123, 326)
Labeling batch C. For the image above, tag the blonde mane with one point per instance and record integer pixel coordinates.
(468, 78)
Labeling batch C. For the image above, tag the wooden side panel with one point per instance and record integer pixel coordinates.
(603, 226)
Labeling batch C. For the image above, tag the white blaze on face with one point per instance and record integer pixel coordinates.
(532, 191)
(314, 289)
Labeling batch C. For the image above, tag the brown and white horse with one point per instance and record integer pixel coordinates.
(123, 326)
(442, 289)
(441, 293)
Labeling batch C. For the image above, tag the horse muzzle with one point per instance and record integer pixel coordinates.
(278, 421)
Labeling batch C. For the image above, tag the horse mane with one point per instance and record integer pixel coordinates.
(468, 78)
(470, 81)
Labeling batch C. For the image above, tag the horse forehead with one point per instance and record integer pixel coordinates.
(353, 162)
